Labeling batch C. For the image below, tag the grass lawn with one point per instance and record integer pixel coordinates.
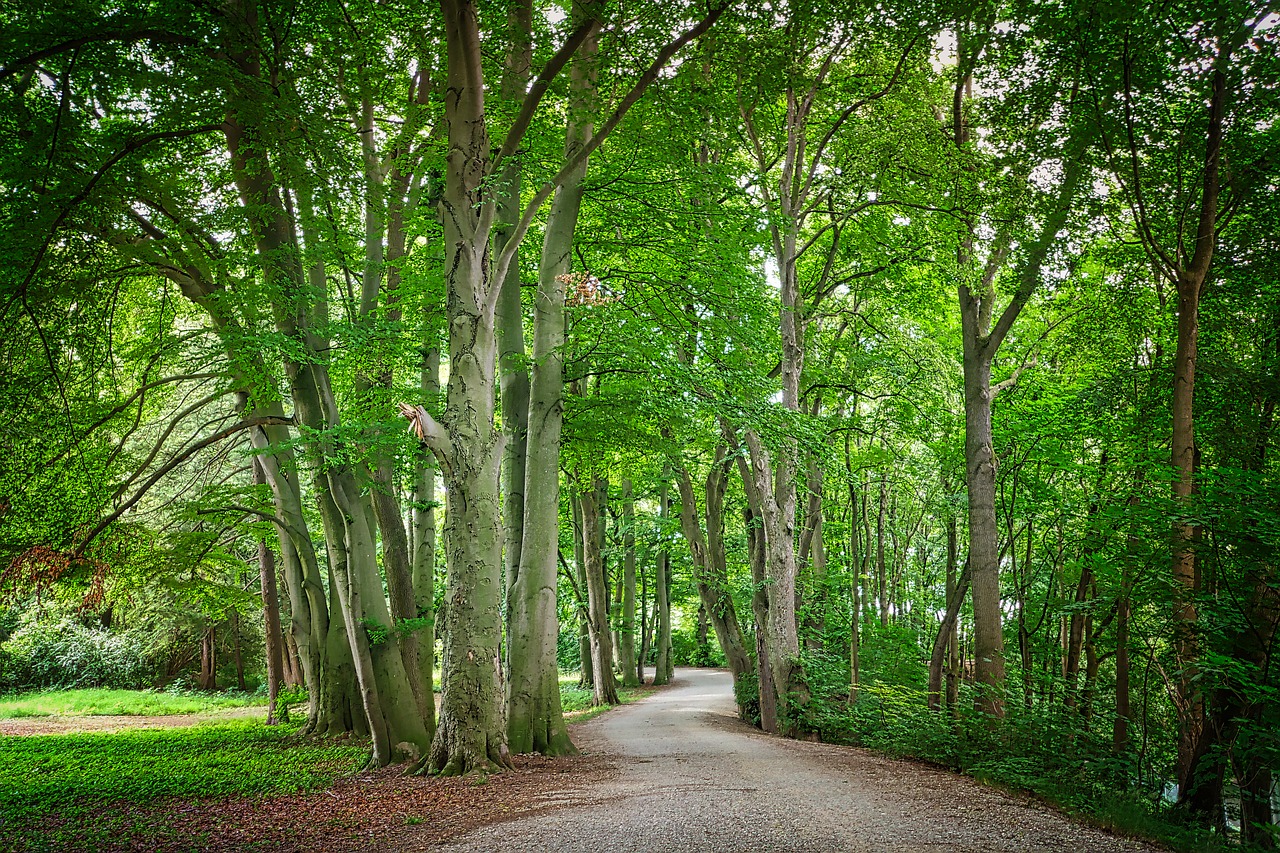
(73, 792)
(576, 701)
(97, 702)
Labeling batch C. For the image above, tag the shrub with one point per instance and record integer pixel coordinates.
(68, 654)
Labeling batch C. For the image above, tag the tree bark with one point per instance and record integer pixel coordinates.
(1190, 703)
(423, 525)
(945, 639)
(535, 717)
(471, 732)
(710, 563)
(604, 686)
(663, 666)
(514, 375)
(208, 660)
(627, 625)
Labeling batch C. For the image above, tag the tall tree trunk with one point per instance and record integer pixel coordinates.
(423, 525)
(514, 375)
(1190, 701)
(471, 732)
(586, 672)
(813, 554)
(882, 586)
(535, 717)
(710, 563)
(208, 660)
(272, 636)
(954, 593)
(663, 666)
(627, 624)
(945, 639)
(643, 656)
(768, 694)
(855, 605)
(604, 686)
(236, 651)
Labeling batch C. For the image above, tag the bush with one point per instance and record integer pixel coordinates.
(68, 654)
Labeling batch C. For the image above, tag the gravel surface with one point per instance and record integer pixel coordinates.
(691, 777)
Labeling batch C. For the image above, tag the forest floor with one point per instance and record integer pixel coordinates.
(675, 772)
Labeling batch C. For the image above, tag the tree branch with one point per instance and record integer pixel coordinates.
(248, 423)
(430, 432)
(628, 101)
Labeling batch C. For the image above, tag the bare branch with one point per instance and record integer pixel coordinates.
(128, 35)
(1013, 378)
(182, 457)
(540, 86)
(572, 164)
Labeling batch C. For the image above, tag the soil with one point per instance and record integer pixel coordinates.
(674, 772)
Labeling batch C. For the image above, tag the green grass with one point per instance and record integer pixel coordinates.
(576, 701)
(97, 702)
(72, 791)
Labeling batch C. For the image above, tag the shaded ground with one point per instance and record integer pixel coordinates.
(377, 811)
(675, 772)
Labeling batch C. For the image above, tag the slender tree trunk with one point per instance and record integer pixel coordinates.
(514, 381)
(423, 525)
(272, 635)
(585, 670)
(535, 717)
(663, 668)
(208, 659)
(882, 595)
(710, 563)
(626, 628)
(643, 656)
(604, 687)
(236, 651)
(956, 591)
(1190, 701)
(855, 606)
(759, 599)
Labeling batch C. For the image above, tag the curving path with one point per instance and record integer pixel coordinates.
(691, 777)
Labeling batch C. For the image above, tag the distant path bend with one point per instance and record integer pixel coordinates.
(693, 778)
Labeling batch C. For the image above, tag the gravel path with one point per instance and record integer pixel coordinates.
(691, 777)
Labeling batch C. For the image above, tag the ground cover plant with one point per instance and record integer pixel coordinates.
(61, 792)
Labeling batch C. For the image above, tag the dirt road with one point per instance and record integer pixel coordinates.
(691, 777)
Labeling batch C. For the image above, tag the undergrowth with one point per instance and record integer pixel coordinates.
(72, 792)
(1055, 753)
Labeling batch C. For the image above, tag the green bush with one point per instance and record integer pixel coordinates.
(68, 654)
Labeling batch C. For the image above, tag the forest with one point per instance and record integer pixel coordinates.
(916, 361)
